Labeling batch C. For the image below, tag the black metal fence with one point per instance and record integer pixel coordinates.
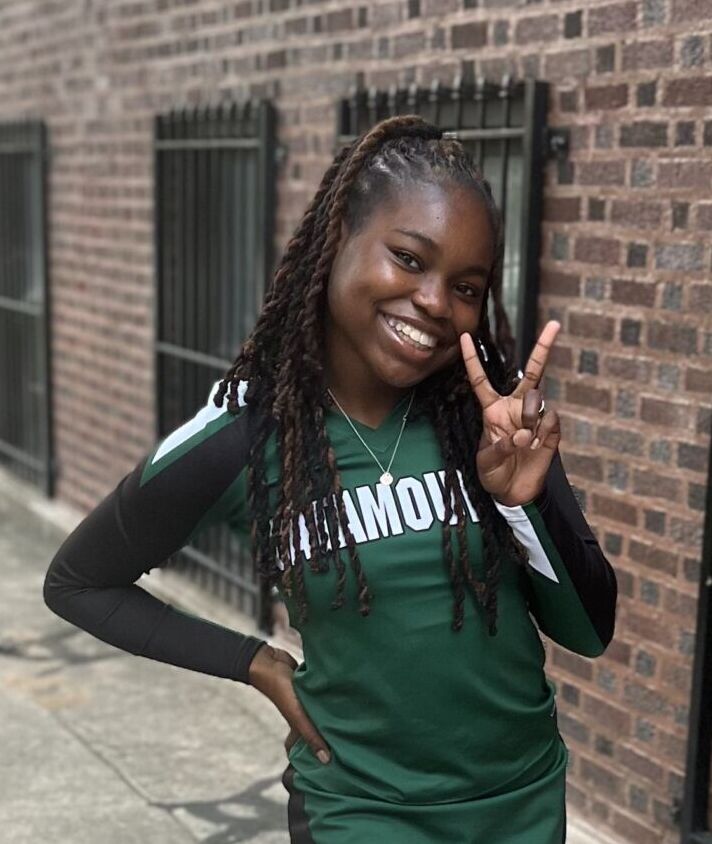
(25, 392)
(504, 126)
(696, 809)
(214, 178)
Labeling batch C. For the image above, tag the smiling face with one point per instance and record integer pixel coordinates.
(406, 284)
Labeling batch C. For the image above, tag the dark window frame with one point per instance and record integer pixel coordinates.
(694, 812)
(26, 419)
(214, 209)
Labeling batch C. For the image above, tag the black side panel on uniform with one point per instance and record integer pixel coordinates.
(591, 574)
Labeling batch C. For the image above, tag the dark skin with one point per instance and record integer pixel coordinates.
(433, 280)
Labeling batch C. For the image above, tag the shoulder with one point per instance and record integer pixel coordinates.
(211, 436)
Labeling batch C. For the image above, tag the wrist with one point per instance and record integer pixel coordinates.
(260, 664)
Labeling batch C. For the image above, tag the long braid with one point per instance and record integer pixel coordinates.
(282, 363)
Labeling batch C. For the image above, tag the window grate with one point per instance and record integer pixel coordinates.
(503, 126)
(25, 388)
(214, 206)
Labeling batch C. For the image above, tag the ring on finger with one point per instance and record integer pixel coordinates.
(542, 407)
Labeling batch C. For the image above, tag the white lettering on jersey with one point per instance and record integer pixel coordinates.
(414, 503)
(381, 513)
(384, 513)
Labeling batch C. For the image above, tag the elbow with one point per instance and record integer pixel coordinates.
(51, 590)
(58, 587)
(605, 630)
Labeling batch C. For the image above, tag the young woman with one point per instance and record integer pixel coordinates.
(403, 490)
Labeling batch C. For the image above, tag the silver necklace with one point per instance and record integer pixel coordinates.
(386, 477)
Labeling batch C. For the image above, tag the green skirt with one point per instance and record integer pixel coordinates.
(530, 813)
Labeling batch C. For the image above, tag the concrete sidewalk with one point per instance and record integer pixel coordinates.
(101, 745)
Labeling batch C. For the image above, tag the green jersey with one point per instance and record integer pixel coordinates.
(436, 736)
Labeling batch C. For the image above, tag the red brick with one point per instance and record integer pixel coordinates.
(339, 20)
(638, 215)
(592, 325)
(699, 380)
(654, 558)
(564, 65)
(677, 676)
(680, 603)
(666, 413)
(573, 663)
(541, 28)
(469, 35)
(619, 651)
(601, 173)
(562, 209)
(614, 718)
(647, 482)
(640, 764)
(647, 627)
(685, 175)
(632, 369)
(584, 465)
(692, 91)
(561, 356)
(627, 292)
(555, 283)
(615, 17)
(606, 97)
(634, 829)
(704, 216)
(672, 747)
(597, 250)
(588, 396)
(614, 509)
(601, 778)
(701, 298)
(642, 55)
(690, 10)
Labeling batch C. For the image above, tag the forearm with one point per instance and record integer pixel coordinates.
(132, 619)
(92, 579)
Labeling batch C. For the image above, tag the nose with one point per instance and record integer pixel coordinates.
(432, 295)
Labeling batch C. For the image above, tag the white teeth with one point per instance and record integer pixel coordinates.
(418, 337)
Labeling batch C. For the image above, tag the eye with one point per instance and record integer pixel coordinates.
(404, 257)
(469, 290)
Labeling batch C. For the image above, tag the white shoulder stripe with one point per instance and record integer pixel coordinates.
(525, 533)
(205, 415)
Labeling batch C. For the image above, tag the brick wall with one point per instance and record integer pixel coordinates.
(626, 260)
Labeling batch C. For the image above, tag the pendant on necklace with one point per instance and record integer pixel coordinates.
(386, 479)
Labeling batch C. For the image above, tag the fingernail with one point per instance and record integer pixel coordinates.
(322, 756)
(535, 443)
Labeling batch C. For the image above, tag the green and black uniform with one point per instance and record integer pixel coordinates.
(436, 736)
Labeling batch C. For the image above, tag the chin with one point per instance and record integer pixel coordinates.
(403, 378)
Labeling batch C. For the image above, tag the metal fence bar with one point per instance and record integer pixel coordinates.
(25, 386)
(214, 201)
(535, 106)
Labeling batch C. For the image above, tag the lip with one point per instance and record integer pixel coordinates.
(405, 349)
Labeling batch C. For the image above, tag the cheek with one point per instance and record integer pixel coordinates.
(467, 317)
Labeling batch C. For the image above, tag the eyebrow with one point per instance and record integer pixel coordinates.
(476, 269)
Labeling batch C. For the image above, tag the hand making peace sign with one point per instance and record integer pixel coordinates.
(508, 467)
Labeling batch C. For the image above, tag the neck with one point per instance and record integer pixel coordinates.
(371, 408)
(362, 396)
